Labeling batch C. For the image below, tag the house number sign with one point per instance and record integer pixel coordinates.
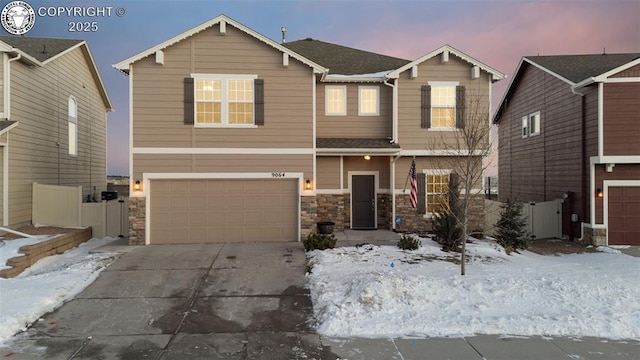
(277, 174)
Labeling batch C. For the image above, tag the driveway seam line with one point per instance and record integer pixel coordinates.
(194, 298)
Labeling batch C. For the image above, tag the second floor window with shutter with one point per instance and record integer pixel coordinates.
(224, 100)
(443, 106)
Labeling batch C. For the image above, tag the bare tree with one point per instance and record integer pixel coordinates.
(465, 150)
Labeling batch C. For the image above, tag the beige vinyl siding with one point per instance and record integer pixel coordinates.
(158, 94)
(328, 168)
(352, 125)
(410, 135)
(377, 163)
(2, 85)
(162, 163)
(38, 145)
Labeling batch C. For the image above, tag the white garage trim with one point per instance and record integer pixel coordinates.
(147, 177)
(605, 210)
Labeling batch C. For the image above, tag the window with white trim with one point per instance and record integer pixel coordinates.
(531, 125)
(224, 100)
(443, 105)
(73, 126)
(335, 100)
(368, 100)
(437, 194)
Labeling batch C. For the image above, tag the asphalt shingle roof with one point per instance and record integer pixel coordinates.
(576, 68)
(344, 60)
(340, 143)
(40, 48)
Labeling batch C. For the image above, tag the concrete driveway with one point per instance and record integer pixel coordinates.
(200, 301)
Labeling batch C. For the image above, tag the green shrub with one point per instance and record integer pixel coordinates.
(319, 242)
(447, 231)
(511, 230)
(408, 242)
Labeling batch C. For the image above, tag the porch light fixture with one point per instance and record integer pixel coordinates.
(307, 184)
(599, 193)
(137, 186)
(367, 157)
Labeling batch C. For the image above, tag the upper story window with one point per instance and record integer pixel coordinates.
(73, 126)
(443, 105)
(223, 100)
(369, 101)
(531, 124)
(335, 100)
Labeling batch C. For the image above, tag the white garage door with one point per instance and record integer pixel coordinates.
(199, 211)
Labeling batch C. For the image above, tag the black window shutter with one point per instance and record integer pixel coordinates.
(421, 207)
(188, 101)
(426, 107)
(460, 101)
(258, 102)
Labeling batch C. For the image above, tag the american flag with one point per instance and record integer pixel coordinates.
(413, 196)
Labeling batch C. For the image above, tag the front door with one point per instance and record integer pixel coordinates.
(363, 202)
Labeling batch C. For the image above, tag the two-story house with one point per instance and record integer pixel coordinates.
(235, 137)
(569, 128)
(53, 129)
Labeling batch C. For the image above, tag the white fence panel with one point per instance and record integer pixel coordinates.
(117, 220)
(56, 205)
(94, 215)
(544, 219)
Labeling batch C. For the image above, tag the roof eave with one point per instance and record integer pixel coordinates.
(357, 151)
(496, 75)
(124, 64)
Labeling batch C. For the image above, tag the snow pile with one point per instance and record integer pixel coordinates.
(47, 284)
(386, 292)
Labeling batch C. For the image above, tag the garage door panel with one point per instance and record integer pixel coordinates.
(207, 210)
(623, 227)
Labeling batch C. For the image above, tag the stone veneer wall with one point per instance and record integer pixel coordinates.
(411, 220)
(331, 208)
(475, 224)
(137, 220)
(308, 215)
(595, 236)
(384, 211)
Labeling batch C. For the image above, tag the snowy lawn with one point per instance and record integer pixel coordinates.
(47, 284)
(373, 291)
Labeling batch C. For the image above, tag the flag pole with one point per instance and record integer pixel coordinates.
(404, 189)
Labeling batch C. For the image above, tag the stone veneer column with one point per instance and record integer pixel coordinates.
(137, 220)
(595, 237)
(308, 215)
(331, 208)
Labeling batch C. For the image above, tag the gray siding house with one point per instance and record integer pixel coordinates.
(53, 108)
(569, 127)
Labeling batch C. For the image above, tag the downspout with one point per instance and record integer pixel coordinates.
(583, 167)
(5, 154)
(394, 139)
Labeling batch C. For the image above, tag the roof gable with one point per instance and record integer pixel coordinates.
(575, 70)
(497, 75)
(41, 51)
(343, 60)
(124, 64)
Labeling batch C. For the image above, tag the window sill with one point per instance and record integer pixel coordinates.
(443, 129)
(225, 126)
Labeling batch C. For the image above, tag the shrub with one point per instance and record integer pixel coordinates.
(408, 242)
(511, 230)
(447, 231)
(319, 242)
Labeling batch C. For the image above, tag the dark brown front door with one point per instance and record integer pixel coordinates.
(363, 213)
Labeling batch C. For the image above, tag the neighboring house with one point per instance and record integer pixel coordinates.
(52, 121)
(569, 127)
(238, 138)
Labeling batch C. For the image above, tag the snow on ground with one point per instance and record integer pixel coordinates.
(9, 248)
(373, 291)
(47, 284)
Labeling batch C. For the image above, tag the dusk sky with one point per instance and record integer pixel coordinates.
(497, 33)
